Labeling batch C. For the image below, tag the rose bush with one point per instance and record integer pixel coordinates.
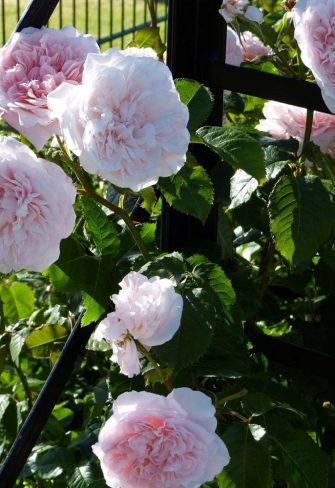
(32, 64)
(151, 441)
(126, 121)
(36, 199)
(146, 310)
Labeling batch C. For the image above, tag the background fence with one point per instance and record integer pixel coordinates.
(112, 22)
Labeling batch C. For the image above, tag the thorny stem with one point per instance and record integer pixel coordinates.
(152, 11)
(90, 192)
(307, 135)
(24, 382)
(153, 361)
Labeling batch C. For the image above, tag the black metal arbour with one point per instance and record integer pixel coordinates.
(196, 49)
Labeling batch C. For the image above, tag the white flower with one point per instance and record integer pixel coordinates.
(126, 121)
(147, 310)
(230, 9)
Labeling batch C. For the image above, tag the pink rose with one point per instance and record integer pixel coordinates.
(36, 211)
(284, 121)
(252, 47)
(230, 9)
(148, 310)
(126, 121)
(234, 54)
(153, 441)
(314, 22)
(32, 64)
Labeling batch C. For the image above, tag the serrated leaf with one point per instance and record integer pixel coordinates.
(257, 404)
(100, 229)
(45, 335)
(149, 199)
(249, 465)
(302, 217)
(93, 310)
(233, 103)
(16, 343)
(54, 462)
(169, 266)
(194, 335)
(198, 99)
(242, 187)
(190, 191)
(306, 465)
(18, 301)
(74, 271)
(236, 147)
(148, 37)
(4, 403)
(87, 476)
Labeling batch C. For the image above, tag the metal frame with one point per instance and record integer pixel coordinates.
(196, 49)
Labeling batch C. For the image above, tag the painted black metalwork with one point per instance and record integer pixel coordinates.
(196, 49)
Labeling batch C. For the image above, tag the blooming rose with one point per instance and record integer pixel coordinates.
(252, 47)
(148, 310)
(32, 64)
(234, 54)
(153, 441)
(126, 121)
(232, 8)
(314, 22)
(36, 211)
(284, 121)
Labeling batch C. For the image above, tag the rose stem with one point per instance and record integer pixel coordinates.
(90, 192)
(307, 135)
(153, 361)
(152, 11)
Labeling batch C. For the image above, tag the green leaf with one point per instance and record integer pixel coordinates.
(4, 404)
(45, 335)
(97, 276)
(198, 99)
(302, 217)
(306, 466)
(149, 199)
(249, 465)
(16, 343)
(18, 301)
(190, 191)
(235, 147)
(194, 335)
(54, 462)
(169, 266)
(93, 310)
(87, 476)
(257, 404)
(242, 187)
(233, 103)
(100, 229)
(148, 37)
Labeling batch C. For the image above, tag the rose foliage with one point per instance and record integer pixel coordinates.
(189, 379)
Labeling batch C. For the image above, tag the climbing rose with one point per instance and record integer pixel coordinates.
(148, 310)
(284, 121)
(314, 22)
(252, 47)
(153, 441)
(36, 211)
(126, 121)
(230, 9)
(234, 54)
(32, 64)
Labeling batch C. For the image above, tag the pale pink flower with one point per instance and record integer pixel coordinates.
(152, 441)
(126, 121)
(146, 52)
(252, 47)
(284, 121)
(32, 64)
(148, 310)
(234, 53)
(314, 22)
(230, 9)
(36, 212)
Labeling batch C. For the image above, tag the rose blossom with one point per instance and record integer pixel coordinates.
(252, 47)
(153, 441)
(126, 121)
(284, 121)
(234, 54)
(36, 211)
(32, 64)
(314, 22)
(148, 310)
(230, 9)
